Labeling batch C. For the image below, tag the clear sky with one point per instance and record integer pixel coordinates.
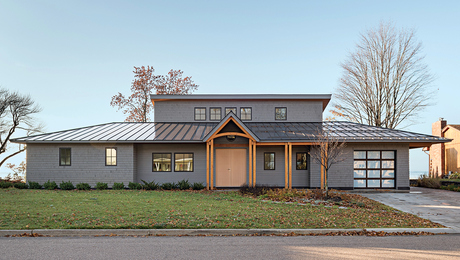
(73, 56)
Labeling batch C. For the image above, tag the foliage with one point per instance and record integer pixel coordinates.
(150, 185)
(256, 191)
(427, 182)
(138, 105)
(385, 81)
(35, 185)
(198, 186)
(83, 186)
(20, 185)
(169, 186)
(451, 187)
(454, 176)
(102, 186)
(184, 185)
(50, 185)
(66, 186)
(19, 172)
(118, 186)
(134, 186)
(5, 184)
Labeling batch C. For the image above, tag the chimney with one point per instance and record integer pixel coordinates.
(436, 127)
(437, 151)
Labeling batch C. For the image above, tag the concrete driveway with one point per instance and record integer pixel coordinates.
(439, 206)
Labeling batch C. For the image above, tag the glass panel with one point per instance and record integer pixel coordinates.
(388, 155)
(301, 161)
(200, 113)
(373, 174)
(359, 155)
(246, 113)
(373, 183)
(114, 152)
(161, 162)
(360, 164)
(360, 174)
(388, 173)
(359, 184)
(373, 164)
(388, 164)
(114, 161)
(227, 110)
(373, 155)
(215, 113)
(269, 161)
(280, 113)
(183, 162)
(107, 161)
(388, 183)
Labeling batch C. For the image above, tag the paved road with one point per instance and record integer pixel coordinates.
(402, 247)
(439, 206)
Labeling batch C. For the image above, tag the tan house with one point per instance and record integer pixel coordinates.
(445, 157)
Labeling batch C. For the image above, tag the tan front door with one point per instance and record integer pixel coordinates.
(230, 167)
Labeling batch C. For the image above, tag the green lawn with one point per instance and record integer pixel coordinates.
(42, 209)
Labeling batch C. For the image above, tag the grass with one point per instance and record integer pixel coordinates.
(124, 209)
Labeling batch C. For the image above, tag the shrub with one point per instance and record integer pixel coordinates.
(184, 185)
(118, 186)
(150, 185)
(455, 175)
(285, 194)
(35, 185)
(66, 186)
(134, 186)
(102, 186)
(50, 185)
(83, 186)
(425, 181)
(198, 186)
(21, 185)
(169, 186)
(5, 184)
(254, 191)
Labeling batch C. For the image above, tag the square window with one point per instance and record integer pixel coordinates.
(111, 156)
(280, 113)
(161, 162)
(230, 109)
(183, 162)
(359, 154)
(246, 113)
(373, 164)
(215, 113)
(373, 174)
(64, 156)
(200, 114)
(301, 161)
(373, 155)
(269, 161)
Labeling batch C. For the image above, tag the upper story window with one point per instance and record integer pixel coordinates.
(64, 156)
(280, 113)
(200, 114)
(216, 113)
(228, 109)
(246, 113)
(111, 156)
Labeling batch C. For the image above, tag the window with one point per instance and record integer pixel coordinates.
(228, 109)
(161, 162)
(216, 113)
(183, 162)
(246, 113)
(374, 169)
(269, 161)
(111, 156)
(64, 156)
(280, 113)
(301, 161)
(200, 114)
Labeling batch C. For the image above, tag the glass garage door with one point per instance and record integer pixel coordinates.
(374, 169)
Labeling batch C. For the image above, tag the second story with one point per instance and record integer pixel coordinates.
(247, 107)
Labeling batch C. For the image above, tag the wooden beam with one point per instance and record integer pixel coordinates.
(231, 133)
(207, 165)
(212, 164)
(290, 165)
(254, 159)
(224, 124)
(250, 163)
(322, 173)
(286, 159)
(231, 145)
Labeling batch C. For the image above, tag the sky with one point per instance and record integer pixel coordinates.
(71, 57)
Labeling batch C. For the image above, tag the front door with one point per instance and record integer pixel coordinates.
(230, 167)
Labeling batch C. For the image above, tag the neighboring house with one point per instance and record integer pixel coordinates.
(226, 141)
(444, 158)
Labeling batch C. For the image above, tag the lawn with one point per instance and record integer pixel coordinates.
(57, 209)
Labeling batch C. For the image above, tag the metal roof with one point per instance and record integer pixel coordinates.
(196, 132)
(241, 96)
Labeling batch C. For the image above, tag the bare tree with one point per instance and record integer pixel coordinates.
(327, 151)
(16, 113)
(384, 81)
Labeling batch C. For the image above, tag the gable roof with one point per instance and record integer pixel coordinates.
(230, 117)
(447, 127)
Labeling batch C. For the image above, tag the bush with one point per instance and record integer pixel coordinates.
(425, 181)
(5, 184)
(102, 186)
(134, 186)
(118, 186)
(254, 191)
(184, 185)
(150, 185)
(198, 186)
(21, 185)
(35, 185)
(83, 186)
(66, 186)
(50, 185)
(169, 186)
(455, 175)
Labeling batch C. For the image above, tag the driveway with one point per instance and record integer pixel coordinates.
(439, 206)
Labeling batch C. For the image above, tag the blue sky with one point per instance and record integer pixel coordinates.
(73, 56)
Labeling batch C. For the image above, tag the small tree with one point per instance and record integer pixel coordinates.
(327, 151)
(19, 172)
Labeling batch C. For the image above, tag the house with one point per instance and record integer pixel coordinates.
(444, 157)
(226, 141)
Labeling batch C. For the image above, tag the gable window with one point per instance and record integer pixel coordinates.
(111, 156)
(64, 156)
(374, 169)
(216, 113)
(269, 161)
(280, 113)
(200, 114)
(183, 162)
(246, 113)
(161, 162)
(301, 161)
(230, 109)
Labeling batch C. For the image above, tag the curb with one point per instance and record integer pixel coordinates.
(207, 232)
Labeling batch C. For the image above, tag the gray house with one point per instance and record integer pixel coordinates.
(225, 141)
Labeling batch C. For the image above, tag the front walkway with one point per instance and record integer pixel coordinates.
(439, 206)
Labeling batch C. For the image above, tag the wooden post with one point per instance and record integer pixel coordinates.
(290, 166)
(250, 163)
(207, 165)
(254, 158)
(212, 164)
(286, 159)
(322, 173)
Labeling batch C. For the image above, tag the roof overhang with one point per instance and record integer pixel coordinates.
(230, 117)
